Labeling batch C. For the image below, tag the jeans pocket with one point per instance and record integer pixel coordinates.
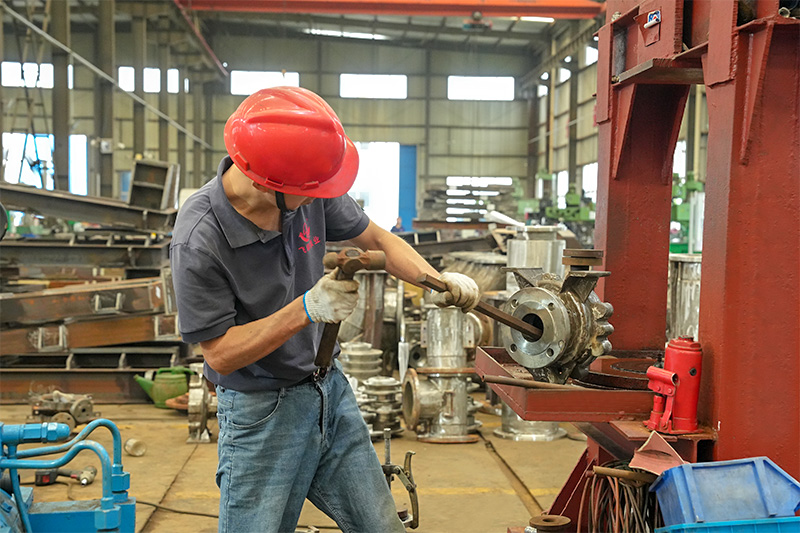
(251, 410)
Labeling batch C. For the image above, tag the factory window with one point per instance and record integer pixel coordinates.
(377, 185)
(589, 178)
(591, 55)
(679, 159)
(246, 82)
(346, 34)
(541, 90)
(29, 160)
(562, 188)
(499, 88)
(564, 74)
(31, 75)
(467, 196)
(381, 86)
(126, 77)
(151, 80)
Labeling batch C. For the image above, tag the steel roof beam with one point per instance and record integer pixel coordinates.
(560, 9)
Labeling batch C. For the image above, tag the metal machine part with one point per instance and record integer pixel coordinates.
(573, 321)
(683, 296)
(534, 246)
(63, 408)
(403, 473)
(365, 323)
(382, 406)
(439, 408)
(360, 360)
(515, 428)
(114, 511)
(202, 405)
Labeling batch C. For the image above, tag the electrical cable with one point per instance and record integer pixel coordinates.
(619, 505)
(173, 510)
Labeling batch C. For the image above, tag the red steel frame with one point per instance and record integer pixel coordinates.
(750, 291)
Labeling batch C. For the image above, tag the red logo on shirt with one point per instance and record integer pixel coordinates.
(305, 236)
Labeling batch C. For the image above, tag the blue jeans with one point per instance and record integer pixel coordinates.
(277, 448)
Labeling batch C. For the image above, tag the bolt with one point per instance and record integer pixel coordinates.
(615, 16)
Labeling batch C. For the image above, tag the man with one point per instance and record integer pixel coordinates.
(398, 226)
(247, 267)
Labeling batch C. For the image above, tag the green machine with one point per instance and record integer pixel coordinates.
(575, 211)
(684, 192)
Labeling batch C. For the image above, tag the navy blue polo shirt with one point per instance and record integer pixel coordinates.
(227, 271)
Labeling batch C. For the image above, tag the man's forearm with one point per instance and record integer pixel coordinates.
(246, 344)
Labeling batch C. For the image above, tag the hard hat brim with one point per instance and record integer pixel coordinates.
(333, 187)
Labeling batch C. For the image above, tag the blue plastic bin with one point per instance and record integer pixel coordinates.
(762, 525)
(744, 489)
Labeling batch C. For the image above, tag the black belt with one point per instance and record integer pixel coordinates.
(318, 375)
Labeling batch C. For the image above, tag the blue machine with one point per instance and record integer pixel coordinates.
(114, 512)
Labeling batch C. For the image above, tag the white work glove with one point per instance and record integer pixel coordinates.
(331, 300)
(462, 291)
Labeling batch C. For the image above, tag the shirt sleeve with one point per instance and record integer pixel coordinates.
(206, 303)
(344, 218)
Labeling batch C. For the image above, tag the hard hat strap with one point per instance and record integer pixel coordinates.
(281, 201)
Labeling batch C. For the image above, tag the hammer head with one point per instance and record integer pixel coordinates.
(351, 260)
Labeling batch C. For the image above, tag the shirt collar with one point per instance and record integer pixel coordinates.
(237, 229)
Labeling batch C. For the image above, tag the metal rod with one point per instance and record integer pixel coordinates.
(526, 383)
(486, 309)
(97, 71)
(644, 477)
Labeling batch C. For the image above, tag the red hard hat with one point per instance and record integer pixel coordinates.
(290, 140)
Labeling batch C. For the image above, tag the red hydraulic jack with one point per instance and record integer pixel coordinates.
(677, 387)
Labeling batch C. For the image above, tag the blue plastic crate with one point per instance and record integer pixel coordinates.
(762, 525)
(744, 489)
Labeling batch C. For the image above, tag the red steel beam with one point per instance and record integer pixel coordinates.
(560, 9)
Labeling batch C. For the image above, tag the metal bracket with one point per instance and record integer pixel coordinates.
(100, 299)
(43, 338)
(166, 327)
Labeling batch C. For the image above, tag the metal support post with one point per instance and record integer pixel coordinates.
(61, 98)
(2, 97)
(182, 173)
(139, 35)
(105, 48)
(572, 148)
(163, 94)
(208, 92)
(197, 117)
(750, 295)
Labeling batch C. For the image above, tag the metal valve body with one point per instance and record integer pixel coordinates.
(573, 320)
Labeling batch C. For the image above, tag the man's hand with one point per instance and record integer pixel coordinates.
(331, 300)
(462, 291)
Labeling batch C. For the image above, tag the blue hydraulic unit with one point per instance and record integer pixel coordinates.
(114, 512)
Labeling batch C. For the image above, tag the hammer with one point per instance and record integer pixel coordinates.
(349, 261)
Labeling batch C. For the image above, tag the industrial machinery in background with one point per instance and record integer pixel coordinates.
(380, 402)
(439, 407)
(688, 207)
(114, 511)
(63, 408)
(201, 407)
(683, 295)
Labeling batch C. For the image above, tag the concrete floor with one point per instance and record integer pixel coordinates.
(462, 487)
